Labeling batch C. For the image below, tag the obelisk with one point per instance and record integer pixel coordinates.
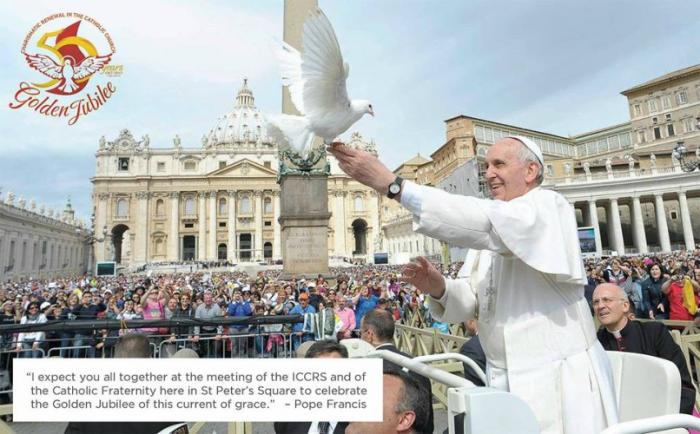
(304, 212)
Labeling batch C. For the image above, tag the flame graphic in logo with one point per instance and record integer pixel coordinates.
(78, 60)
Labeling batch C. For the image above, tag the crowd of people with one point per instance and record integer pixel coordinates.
(655, 286)
(329, 310)
(661, 287)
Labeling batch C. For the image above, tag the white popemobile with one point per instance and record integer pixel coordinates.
(647, 392)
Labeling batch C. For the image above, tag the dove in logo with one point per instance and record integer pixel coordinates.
(67, 73)
(317, 84)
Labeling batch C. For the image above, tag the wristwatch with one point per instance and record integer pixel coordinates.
(395, 187)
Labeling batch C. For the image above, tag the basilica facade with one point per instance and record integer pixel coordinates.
(219, 201)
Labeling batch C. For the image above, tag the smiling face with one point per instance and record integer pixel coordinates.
(506, 175)
(610, 306)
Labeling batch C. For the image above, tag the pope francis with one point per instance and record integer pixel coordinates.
(522, 280)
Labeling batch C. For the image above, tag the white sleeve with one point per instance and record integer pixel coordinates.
(459, 220)
(462, 302)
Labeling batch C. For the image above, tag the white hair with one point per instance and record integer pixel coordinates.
(525, 155)
(622, 293)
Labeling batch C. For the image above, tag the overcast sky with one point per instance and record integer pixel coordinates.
(551, 65)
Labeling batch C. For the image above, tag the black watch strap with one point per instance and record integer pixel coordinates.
(395, 186)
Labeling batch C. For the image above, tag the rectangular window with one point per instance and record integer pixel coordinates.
(222, 224)
(123, 164)
(652, 105)
(668, 117)
(657, 133)
(489, 134)
(682, 97)
(222, 164)
(671, 132)
(625, 140)
(688, 125)
(637, 109)
(479, 132)
(160, 167)
(666, 102)
(654, 120)
(189, 225)
(268, 223)
(602, 145)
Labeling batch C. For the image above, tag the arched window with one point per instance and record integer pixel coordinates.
(160, 208)
(223, 209)
(358, 205)
(245, 205)
(122, 208)
(159, 246)
(189, 206)
(221, 252)
(267, 205)
(267, 250)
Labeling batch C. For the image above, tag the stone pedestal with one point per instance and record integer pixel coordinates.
(304, 220)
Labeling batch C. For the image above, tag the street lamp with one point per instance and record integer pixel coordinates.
(680, 150)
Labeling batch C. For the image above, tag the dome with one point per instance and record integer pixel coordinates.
(243, 127)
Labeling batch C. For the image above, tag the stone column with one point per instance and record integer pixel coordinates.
(140, 250)
(661, 223)
(688, 237)
(339, 220)
(202, 226)
(211, 240)
(277, 243)
(593, 222)
(4, 243)
(376, 223)
(258, 226)
(174, 236)
(231, 250)
(100, 221)
(295, 13)
(640, 237)
(618, 242)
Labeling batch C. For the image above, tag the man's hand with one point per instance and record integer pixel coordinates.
(424, 276)
(363, 167)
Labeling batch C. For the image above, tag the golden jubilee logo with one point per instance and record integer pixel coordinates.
(66, 51)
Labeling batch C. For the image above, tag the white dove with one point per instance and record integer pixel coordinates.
(316, 81)
(67, 72)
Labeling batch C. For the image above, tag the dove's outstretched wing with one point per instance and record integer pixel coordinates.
(45, 65)
(90, 66)
(323, 72)
(290, 67)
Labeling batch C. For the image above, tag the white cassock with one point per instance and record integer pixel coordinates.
(523, 280)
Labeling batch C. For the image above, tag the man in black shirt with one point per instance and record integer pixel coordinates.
(618, 333)
(86, 311)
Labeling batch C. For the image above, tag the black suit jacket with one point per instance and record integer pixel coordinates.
(472, 349)
(303, 427)
(425, 381)
(653, 339)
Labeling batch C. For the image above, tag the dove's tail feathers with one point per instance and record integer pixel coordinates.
(290, 131)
